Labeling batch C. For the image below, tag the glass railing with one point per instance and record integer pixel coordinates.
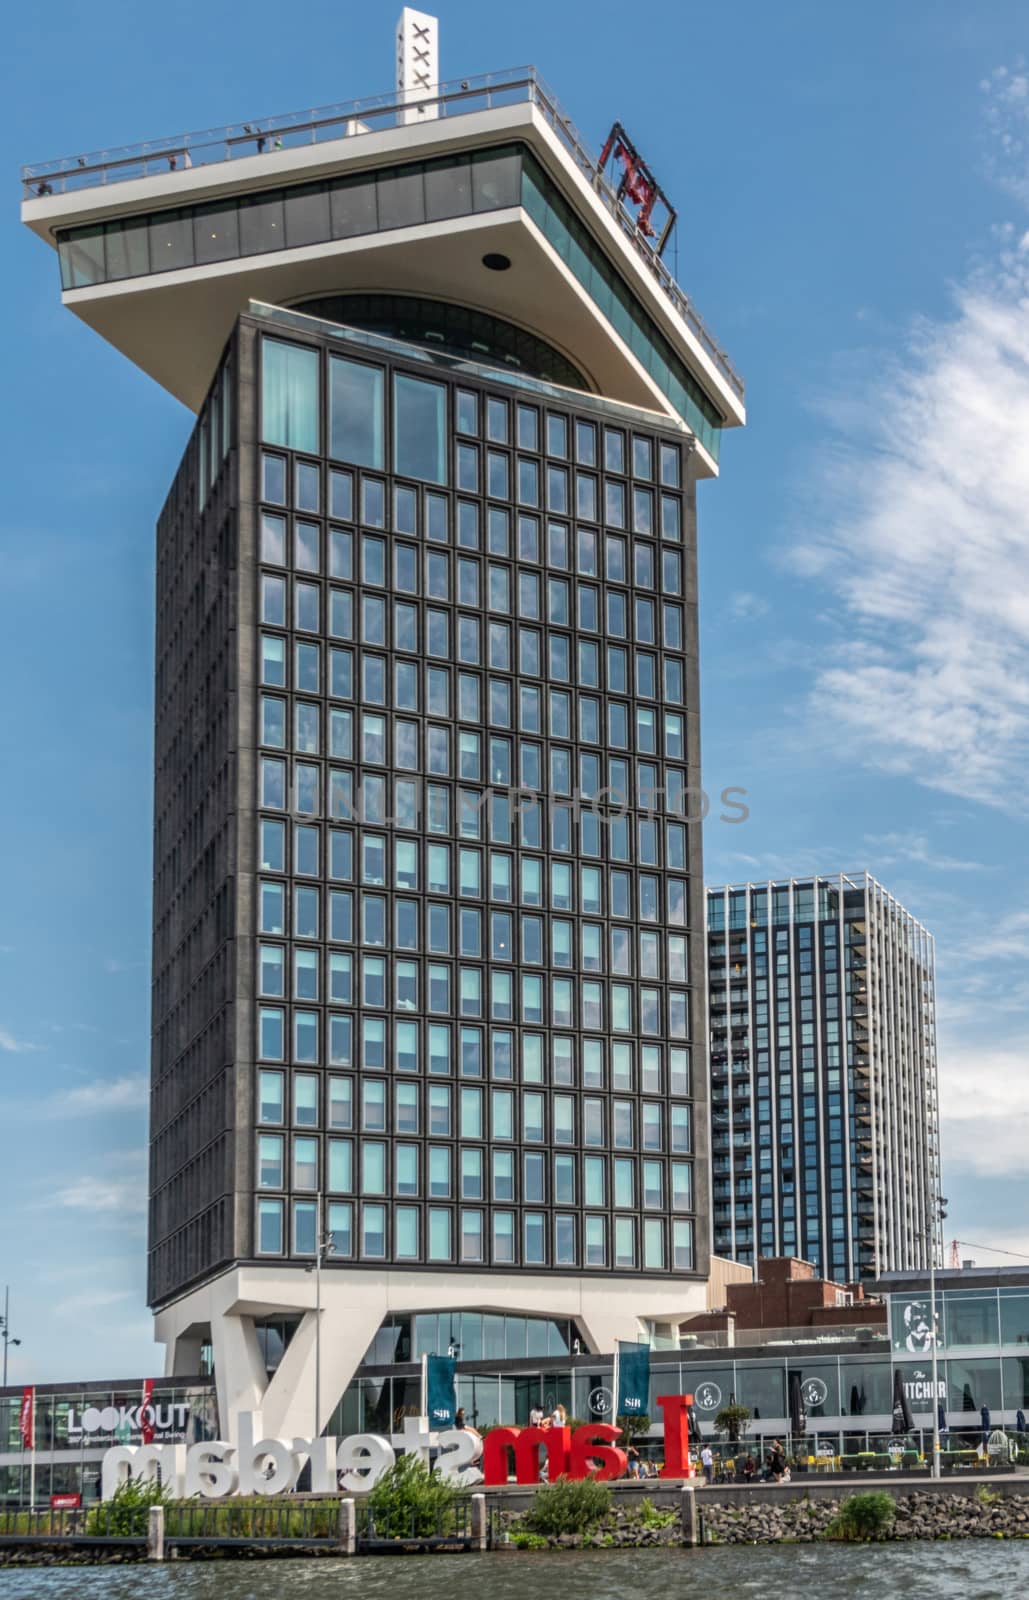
(351, 119)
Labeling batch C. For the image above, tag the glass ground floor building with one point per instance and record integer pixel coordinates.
(506, 1365)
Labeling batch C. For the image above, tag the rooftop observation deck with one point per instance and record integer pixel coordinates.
(352, 120)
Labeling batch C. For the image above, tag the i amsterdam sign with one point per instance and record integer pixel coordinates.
(355, 1464)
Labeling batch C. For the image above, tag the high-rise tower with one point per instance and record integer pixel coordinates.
(426, 714)
(824, 1105)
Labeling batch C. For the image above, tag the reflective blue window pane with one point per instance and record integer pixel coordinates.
(419, 449)
(356, 412)
(289, 395)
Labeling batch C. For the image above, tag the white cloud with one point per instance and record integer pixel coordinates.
(984, 1111)
(104, 1094)
(1007, 118)
(96, 1300)
(122, 1190)
(121, 1195)
(745, 606)
(890, 848)
(15, 1046)
(922, 524)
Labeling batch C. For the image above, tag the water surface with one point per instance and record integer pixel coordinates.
(868, 1572)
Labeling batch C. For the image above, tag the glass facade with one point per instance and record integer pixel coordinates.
(847, 1393)
(473, 988)
(75, 1425)
(376, 202)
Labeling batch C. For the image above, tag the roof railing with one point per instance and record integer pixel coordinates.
(351, 119)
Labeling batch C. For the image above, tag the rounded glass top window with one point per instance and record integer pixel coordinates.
(451, 329)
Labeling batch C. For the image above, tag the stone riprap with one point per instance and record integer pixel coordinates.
(766, 1520)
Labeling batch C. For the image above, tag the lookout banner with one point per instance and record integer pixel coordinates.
(633, 1395)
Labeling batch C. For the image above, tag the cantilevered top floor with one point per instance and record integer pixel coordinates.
(481, 197)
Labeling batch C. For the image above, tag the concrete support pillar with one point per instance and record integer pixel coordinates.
(155, 1534)
(346, 1535)
(479, 1522)
(689, 1517)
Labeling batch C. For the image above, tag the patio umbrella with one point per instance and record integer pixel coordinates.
(693, 1425)
(903, 1422)
(798, 1416)
(1019, 1421)
(984, 1417)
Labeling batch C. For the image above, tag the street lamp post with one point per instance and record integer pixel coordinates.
(939, 1212)
(5, 1329)
(324, 1247)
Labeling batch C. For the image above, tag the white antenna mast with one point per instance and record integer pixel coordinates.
(417, 64)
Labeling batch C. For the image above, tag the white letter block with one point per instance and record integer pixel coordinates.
(362, 1459)
(208, 1473)
(458, 1449)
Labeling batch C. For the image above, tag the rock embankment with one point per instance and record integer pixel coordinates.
(919, 1516)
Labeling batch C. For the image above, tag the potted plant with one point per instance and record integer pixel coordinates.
(732, 1421)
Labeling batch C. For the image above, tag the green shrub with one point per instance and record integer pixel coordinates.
(569, 1505)
(528, 1541)
(252, 1517)
(863, 1516)
(985, 1496)
(651, 1517)
(127, 1514)
(410, 1500)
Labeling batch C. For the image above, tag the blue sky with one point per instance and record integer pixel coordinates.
(853, 190)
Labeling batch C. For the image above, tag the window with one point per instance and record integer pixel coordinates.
(471, 1235)
(535, 1238)
(355, 413)
(503, 1236)
(471, 1174)
(503, 1175)
(653, 1243)
(373, 1168)
(271, 1097)
(419, 444)
(341, 1228)
(341, 1165)
(305, 1227)
(625, 1242)
(305, 1163)
(341, 1102)
(439, 1234)
(269, 1161)
(289, 396)
(682, 1246)
(373, 1230)
(564, 1240)
(271, 1034)
(305, 1100)
(269, 1227)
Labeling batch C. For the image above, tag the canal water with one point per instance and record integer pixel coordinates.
(777, 1572)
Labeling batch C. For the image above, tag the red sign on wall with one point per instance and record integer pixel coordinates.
(65, 1502)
